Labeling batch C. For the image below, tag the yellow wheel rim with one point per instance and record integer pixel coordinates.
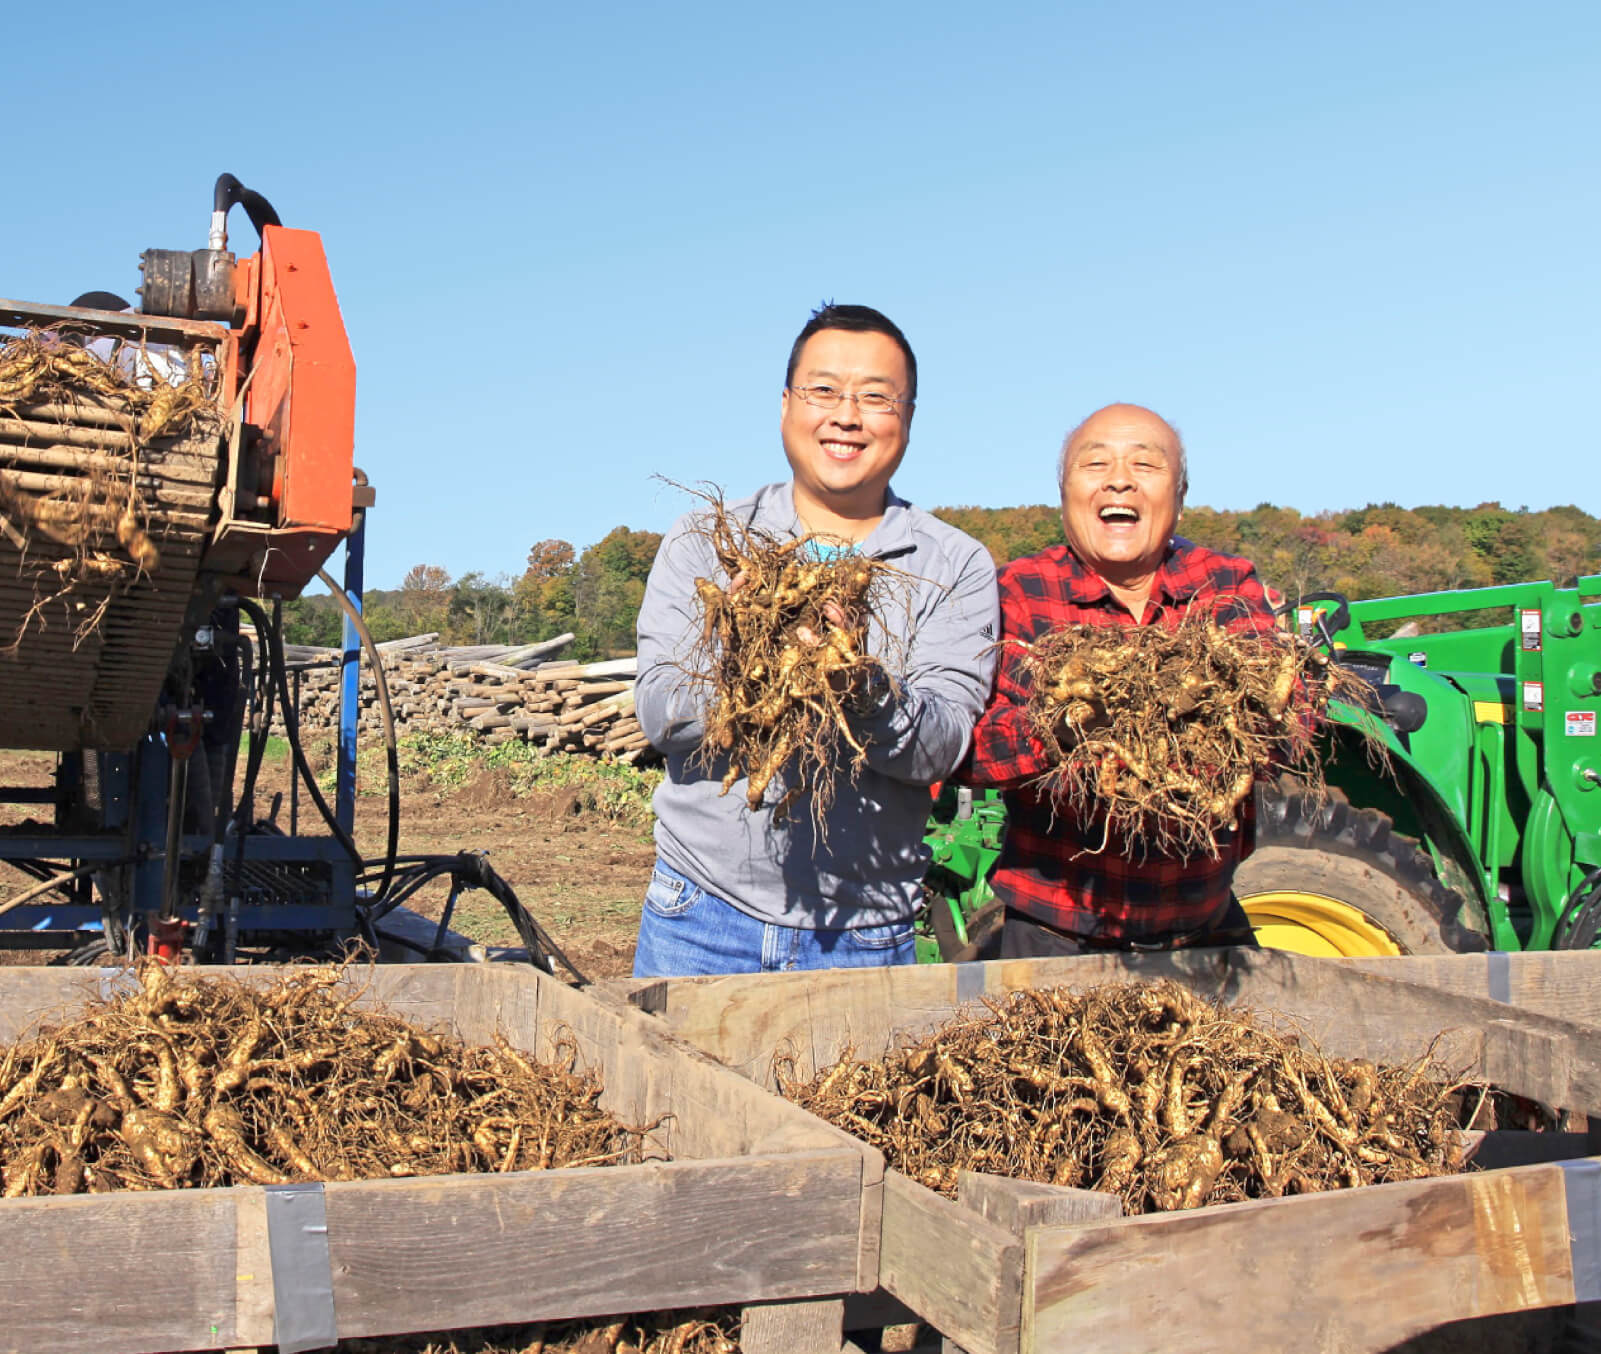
(1308, 923)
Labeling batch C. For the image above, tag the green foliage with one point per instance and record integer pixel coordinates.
(313, 620)
(1008, 533)
(608, 585)
(615, 790)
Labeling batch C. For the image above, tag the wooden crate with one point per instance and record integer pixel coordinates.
(760, 1204)
(1564, 984)
(1023, 1267)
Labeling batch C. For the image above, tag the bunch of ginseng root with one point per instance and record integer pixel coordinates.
(49, 381)
(1164, 732)
(1145, 1091)
(81, 498)
(782, 648)
(187, 1083)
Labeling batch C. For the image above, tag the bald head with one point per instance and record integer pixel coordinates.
(1128, 424)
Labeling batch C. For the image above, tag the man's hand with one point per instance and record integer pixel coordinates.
(860, 685)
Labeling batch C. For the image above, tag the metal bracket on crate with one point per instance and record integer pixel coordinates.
(969, 983)
(1498, 980)
(1581, 1181)
(302, 1274)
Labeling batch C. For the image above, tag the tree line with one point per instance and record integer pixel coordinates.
(1381, 550)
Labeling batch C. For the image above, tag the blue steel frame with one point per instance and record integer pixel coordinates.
(134, 816)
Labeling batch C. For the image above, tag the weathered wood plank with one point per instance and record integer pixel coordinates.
(1351, 1270)
(1017, 1205)
(814, 1017)
(1565, 984)
(962, 1274)
(554, 1244)
(121, 1274)
(815, 1327)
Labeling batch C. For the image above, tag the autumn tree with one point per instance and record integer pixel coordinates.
(543, 596)
(609, 585)
(424, 597)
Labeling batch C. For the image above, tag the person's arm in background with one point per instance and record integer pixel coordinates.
(1007, 752)
(670, 703)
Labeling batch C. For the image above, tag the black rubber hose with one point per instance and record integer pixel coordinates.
(230, 191)
(222, 808)
(244, 814)
(291, 718)
(262, 698)
(473, 869)
(387, 714)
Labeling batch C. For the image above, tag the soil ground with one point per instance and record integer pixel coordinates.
(581, 872)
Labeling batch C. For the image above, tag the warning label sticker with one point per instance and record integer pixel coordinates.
(1534, 695)
(1529, 623)
(1579, 723)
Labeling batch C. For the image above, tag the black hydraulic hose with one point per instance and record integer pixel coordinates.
(230, 191)
(291, 718)
(222, 793)
(387, 713)
(472, 868)
(410, 883)
(261, 700)
(260, 705)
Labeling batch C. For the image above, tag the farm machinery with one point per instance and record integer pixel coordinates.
(1478, 828)
(169, 476)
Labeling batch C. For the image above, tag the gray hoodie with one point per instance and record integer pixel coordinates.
(865, 868)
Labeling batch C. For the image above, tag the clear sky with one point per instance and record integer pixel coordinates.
(1350, 250)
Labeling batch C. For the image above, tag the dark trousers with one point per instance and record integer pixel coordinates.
(1022, 937)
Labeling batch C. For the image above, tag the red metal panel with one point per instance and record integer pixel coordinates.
(303, 397)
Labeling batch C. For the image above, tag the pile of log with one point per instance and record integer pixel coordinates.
(494, 692)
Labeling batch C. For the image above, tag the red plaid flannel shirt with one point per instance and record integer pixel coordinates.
(1052, 871)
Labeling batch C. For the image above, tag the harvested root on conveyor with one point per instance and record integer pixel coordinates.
(710, 1330)
(1165, 732)
(781, 654)
(85, 524)
(1148, 1092)
(209, 1082)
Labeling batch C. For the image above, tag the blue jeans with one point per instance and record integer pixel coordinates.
(685, 930)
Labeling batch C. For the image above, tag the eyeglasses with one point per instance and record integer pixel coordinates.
(868, 401)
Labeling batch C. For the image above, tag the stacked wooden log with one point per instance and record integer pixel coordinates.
(494, 692)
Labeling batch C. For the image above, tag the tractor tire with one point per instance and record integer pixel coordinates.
(1327, 878)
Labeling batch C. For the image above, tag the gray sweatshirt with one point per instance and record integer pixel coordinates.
(935, 636)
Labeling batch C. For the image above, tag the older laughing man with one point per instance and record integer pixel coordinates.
(735, 890)
(1123, 477)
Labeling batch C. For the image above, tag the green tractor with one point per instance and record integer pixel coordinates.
(1481, 828)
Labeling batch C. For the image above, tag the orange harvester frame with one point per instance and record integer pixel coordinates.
(290, 360)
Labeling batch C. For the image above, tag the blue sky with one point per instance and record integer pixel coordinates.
(1350, 250)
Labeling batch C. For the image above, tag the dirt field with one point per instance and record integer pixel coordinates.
(576, 868)
(582, 875)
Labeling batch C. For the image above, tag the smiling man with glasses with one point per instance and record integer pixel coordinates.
(737, 890)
